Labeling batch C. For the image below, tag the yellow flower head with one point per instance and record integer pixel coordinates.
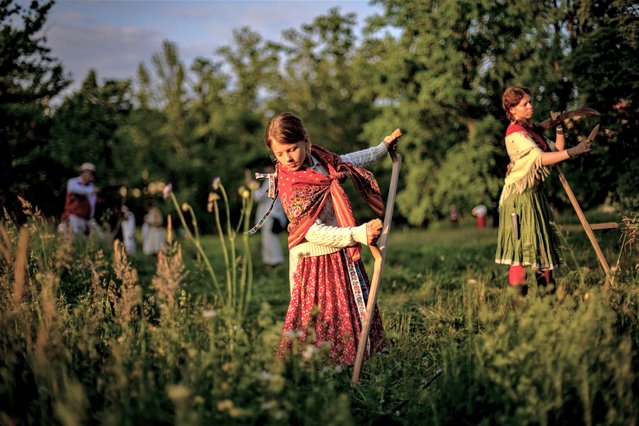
(244, 193)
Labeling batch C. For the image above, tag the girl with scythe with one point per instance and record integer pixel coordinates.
(329, 286)
(526, 236)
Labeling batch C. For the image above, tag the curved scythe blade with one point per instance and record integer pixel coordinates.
(575, 113)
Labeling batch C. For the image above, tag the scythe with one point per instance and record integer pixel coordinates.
(379, 254)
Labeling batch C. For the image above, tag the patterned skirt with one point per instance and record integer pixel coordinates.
(323, 311)
(527, 235)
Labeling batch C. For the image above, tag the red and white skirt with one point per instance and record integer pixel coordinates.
(327, 308)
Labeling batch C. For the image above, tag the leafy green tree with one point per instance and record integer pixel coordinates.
(604, 41)
(443, 77)
(253, 65)
(87, 127)
(438, 77)
(29, 78)
(319, 83)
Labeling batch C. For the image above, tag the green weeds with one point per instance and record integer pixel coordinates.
(85, 338)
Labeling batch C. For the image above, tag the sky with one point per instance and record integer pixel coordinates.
(114, 36)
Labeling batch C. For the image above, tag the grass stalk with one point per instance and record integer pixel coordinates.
(196, 243)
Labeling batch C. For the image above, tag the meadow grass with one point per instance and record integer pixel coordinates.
(89, 335)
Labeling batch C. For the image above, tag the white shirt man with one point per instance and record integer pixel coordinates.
(79, 206)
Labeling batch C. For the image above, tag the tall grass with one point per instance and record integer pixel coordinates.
(238, 268)
(84, 338)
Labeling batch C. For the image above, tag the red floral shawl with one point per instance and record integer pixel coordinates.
(304, 193)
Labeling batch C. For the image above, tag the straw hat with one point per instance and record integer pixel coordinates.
(87, 167)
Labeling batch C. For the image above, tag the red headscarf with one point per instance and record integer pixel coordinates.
(304, 193)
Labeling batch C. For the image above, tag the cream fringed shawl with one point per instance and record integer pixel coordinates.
(525, 161)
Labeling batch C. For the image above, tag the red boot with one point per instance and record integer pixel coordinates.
(517, 279)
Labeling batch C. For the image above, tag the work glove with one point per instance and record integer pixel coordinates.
(583, 147)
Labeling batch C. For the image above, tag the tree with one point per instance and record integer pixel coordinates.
(320, 85)
(604, 41)
(445, 73)
(253, 64)
(29, 78)
(87, 127)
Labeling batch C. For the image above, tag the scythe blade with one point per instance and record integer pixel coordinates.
(575, 113)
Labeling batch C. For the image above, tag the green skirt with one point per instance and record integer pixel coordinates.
(527, 235)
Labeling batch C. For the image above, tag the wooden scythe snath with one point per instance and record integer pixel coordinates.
(573, 200)
(587, 227)
(379, 254)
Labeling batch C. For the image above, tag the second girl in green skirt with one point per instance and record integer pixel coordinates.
(526, 234)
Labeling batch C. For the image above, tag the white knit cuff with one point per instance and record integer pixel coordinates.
(359, 234)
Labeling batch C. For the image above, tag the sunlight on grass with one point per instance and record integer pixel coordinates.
(92, 336)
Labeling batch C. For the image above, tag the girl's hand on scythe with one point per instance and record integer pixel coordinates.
(373, 231)
(391, 141)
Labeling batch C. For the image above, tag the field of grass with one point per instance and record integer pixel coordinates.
(88, 335)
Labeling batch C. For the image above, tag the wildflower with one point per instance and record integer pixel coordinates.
(216, 183)
(178, 392)
(253, 185)
(309, 352)
(472, 281)
(268, 405)
(185, 207)
(224, 405)
(166, 191)
(244, 193)
(239, 412)
(213, 197)
(279, 415)
(208, 313)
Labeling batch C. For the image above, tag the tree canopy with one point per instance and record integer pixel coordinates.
(436, 69)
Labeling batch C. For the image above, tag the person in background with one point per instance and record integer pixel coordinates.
(454, 216)
(273, 225)
(329, 285)
(480, 211)
(153, 231)
(526, 236)
(128, 230)
(79, 205)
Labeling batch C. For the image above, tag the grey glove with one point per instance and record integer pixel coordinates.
(583, 147)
